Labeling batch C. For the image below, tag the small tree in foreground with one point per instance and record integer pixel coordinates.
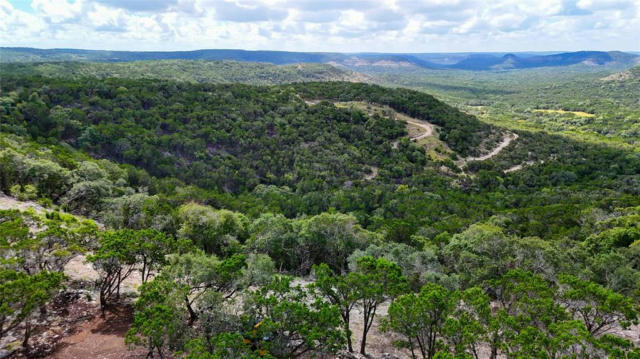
(114, 261)
(376, 280)
(421, 317)
(291, 322)
(21, 294)
(160, 321)
(197, 275)
(339, 291)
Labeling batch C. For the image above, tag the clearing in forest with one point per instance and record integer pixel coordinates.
(421, 132)
(561, 112)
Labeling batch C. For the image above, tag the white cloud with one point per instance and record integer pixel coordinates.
(329, 25)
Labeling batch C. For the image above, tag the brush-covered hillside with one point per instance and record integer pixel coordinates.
(234, 137)
(222, 71)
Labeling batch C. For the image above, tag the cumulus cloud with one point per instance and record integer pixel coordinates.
(246, 12)
(328, 25)
(140, 5)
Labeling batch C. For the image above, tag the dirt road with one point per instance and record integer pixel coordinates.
(505, 142)
(427, 127)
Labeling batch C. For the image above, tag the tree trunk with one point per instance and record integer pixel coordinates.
(193, 316)
(474, 351)
(365, 329)
(363, 344)
(369, 314)
(103, 304)
(118, 288)
(348, 333)
(421, 345)
(413, 353)
(27, 335)
(494, 348)
(150, 353)
(432, 344)
(145, 275)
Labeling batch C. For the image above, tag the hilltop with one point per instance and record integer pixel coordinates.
(632, 74)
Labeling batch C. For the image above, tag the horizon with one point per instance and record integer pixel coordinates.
(506, 52)
(362, 26)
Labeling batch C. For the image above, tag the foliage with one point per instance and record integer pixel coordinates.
(244, 182)
(21, 294)
(293, 322)
(114, 260)
(197, 276)
(158, 322)
(597, 307)
(298, 244)
(224, 71)
(420, 318)
(339, 290)
(376, 280)
(218, 232)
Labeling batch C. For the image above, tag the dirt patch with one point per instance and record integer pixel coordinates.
(425, 129)
(7, 202)
(521, 166)
(417, 129)
(57, 320)
(101, 338)
(373, 174)
(562, 112)
(378, 342)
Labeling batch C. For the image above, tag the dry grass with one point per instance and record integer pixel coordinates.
(575, 113)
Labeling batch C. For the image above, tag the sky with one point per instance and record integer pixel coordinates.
(326, 25)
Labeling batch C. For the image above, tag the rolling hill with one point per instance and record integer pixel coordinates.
(511, 61)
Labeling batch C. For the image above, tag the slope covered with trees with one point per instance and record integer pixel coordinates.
(226, 71)
(233, 137)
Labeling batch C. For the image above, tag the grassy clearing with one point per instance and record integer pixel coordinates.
(525, 124)
(562, 112)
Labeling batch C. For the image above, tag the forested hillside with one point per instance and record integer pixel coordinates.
(275, 221)
(234, 137)
(255, 73)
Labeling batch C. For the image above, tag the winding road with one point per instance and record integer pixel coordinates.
(427, 127)
(505, 142)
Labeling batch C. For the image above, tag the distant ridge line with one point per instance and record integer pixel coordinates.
(459, 61)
